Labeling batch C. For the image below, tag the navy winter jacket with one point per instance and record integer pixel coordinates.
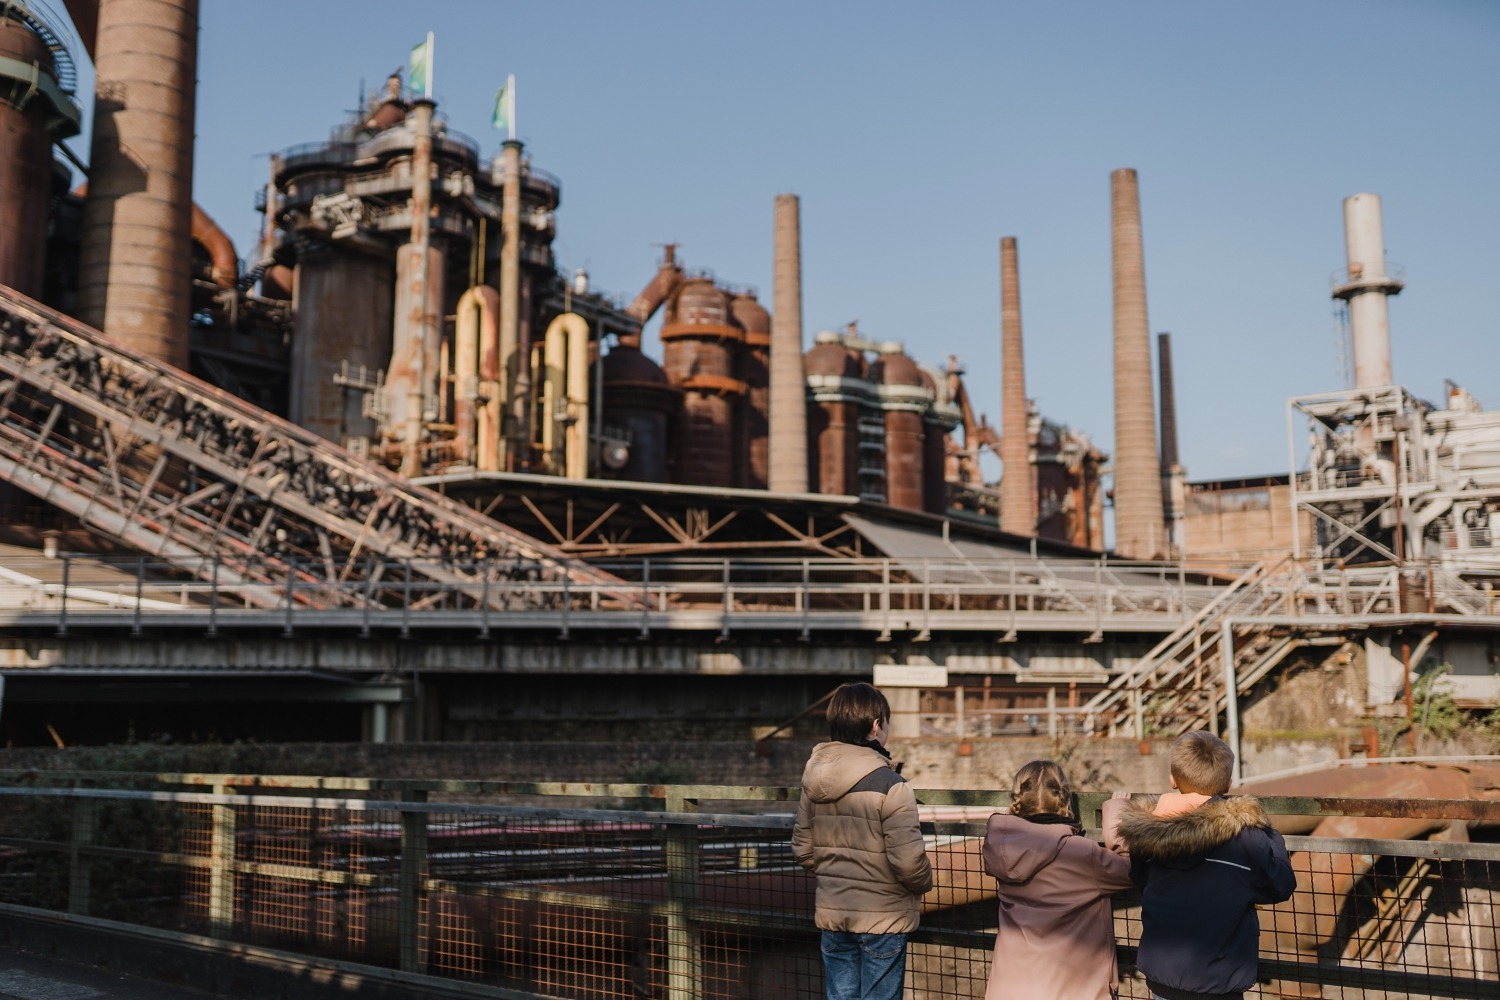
(1202, 873)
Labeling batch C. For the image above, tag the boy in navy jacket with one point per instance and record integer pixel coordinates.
(1204, 863)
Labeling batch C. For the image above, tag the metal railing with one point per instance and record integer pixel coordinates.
(556, 890)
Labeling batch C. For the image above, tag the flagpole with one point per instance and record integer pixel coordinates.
(431, 44)
(510, 90)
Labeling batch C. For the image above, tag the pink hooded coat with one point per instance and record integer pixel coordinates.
(1056, 934)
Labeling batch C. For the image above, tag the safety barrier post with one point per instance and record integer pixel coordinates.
(80, 871)
(413, 882)
(221, 866)
(684, 887)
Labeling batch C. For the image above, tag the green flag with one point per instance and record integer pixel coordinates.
(505, 107)
(419, 77)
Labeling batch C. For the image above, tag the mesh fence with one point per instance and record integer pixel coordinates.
(584, 902)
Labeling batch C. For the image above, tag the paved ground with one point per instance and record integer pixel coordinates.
(26, 976)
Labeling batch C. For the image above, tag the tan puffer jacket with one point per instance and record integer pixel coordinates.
(857, 831)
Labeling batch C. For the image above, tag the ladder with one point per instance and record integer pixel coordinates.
(150, 457)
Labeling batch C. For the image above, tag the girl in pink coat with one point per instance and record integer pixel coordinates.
(1056, 935)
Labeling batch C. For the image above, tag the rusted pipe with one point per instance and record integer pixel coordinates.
(510, 301)
(474, 326)
(207, 234)
(412, 378)
(478, 318)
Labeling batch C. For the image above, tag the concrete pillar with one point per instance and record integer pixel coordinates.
(1018, 483)
(1140, 528)
(788, 418)
(136, 253)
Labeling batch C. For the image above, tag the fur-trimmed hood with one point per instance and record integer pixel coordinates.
(1217, 821)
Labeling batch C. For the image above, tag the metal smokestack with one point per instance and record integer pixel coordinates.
(1139, 524)
(1168, 400)
(136, 254)
(1174, 479)
(1017, 485)
(788, 404)
(1365, 286)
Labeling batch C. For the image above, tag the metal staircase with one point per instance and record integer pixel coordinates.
(1178, 686)
(151, 457)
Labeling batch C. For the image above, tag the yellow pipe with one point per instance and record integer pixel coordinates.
(565, 397)
(476, 369)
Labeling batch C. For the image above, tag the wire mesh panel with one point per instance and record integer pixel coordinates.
(611, 903)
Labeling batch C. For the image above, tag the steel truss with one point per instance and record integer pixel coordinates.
(153, 458)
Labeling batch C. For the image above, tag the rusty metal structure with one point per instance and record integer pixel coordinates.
(879, 422)
(145, 455)
(37, 108)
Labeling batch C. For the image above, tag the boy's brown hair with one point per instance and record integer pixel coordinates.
(1202, 763)
(854, 710)
(1041, 787)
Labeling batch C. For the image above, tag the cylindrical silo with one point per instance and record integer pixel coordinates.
(32, 113)
(698, 341)
(788, 391)
(934, 456)
(1366, 287)
(342, 302)
(137, 223)
(1140, 527)
(1018, 480)
(833, 418)
(901, 398)
(752, 423)
(638, 400)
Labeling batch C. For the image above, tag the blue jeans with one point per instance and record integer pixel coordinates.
(863, 966)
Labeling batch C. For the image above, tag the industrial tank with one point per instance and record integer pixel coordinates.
(752, 421)
(638, 404)
(833, 419)
(343, 304)
(700, 340)
(934, 456)
(902, 399)
(29, 118)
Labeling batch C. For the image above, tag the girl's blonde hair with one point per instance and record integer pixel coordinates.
(1041, 787)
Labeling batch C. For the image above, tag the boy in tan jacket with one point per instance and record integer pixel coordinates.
(857, 831)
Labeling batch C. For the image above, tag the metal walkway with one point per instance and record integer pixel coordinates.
(145, 454)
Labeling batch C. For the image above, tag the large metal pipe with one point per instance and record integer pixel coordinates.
(565, 396)
(1365, 288)
(788, 419)
(478, 323)
(510, 301)
(1139, 524)
(412, 379)
(136, 250)
(1018, 483)
(474, 335)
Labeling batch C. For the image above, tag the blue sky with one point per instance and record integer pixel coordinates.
(918, 134)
